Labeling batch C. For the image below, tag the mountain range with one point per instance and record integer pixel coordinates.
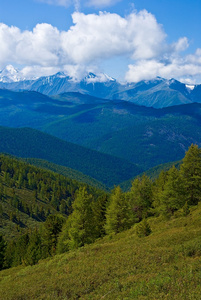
(144, 136)
(157, 93)
(90, 119)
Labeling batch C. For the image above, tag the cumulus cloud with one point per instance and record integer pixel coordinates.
(181, 68)
(95, 37)
(92, 38)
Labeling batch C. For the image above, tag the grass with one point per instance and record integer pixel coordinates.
(164, 265)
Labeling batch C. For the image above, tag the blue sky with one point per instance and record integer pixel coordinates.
(127, 40)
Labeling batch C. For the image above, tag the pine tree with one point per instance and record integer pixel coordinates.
(52, 228)
(158, 188)
(81, 221)
(2, 251)
(141, 196)
(118, 213)
(34, 249)
(191, 172)
(20, 250)
(172, 197)
(99, 214)
(9, 254)
(143, 228)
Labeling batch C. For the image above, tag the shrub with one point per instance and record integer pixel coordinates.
(143, 229)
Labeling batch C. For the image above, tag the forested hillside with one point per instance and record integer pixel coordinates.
(90, 214)
(30, 196)
(151, 248)
(30, 143)
(65, 171)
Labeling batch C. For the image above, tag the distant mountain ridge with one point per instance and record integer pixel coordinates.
(145, 136)
(158, 92)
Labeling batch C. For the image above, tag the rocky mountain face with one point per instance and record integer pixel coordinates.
(157, 93)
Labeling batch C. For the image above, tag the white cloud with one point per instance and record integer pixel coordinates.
(30, 72)
(181, 45)
(94, 38)
(91, 39)
(179, 68)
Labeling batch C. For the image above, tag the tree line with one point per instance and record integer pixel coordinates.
(94, 215)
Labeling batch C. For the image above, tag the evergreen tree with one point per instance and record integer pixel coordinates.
(143, 229)
(191, 172)
(81, 221)
(186, 209)
(9, 254)
(99, 214)
(34, 249)
(2, 251)
(157, 189)
(118, 213)
(141, 196)
(172, 196)
(20, 250)
(52, 228)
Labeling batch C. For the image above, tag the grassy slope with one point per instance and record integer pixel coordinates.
(165, 265)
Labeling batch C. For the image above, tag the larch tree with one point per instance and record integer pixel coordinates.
(191, 173)
(81, 222)
(118, 212)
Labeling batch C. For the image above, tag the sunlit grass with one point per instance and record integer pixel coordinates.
(164, 265)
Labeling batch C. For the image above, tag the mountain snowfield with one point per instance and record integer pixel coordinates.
(157, 93)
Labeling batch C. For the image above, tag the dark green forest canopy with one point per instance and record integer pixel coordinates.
(30, 143)
(29, 194)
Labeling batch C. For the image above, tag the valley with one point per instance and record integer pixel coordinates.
(78, 169)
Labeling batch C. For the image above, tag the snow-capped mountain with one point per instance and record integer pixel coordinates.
(98, 85)
(10, 74)
(158, 92)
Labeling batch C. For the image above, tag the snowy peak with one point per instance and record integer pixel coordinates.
(98, 78)
(190, 87)
(10, 74)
